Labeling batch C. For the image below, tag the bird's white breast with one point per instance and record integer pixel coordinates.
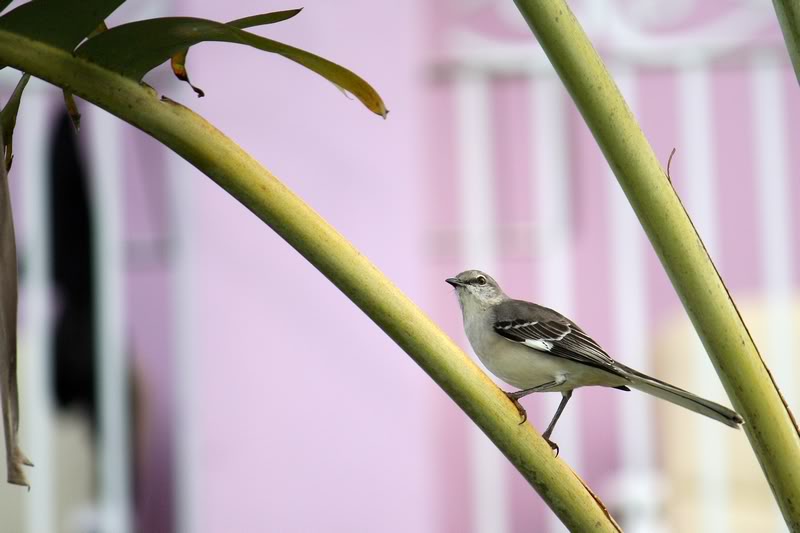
(514, 363)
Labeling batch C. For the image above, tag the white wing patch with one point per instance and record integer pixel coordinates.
(517, 326)
(542, 346)
(546, 334)
(538, 344)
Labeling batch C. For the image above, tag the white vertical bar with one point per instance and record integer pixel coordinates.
(640, 497)
(488, 484)
(475, 168)
(109, 260)
(36, 343)
(772, 177)
(694, 108)
(630, 320)
(552, 235)
(182, 275)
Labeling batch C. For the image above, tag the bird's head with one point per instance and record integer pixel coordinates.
(476, 287)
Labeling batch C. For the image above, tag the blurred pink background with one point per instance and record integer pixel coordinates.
(271, 403)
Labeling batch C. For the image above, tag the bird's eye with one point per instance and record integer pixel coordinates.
(480, 280)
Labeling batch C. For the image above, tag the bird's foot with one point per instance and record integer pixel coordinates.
(552, 444)
(522, 412)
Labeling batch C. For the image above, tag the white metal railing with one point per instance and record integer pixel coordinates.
(36, 340)
(186, 400)
(489, 485)
(108, 208)
(552, 239)
(632, 331)
(38, 418)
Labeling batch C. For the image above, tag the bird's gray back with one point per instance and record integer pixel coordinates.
(512, 310)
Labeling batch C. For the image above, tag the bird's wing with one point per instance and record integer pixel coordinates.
(545, 330)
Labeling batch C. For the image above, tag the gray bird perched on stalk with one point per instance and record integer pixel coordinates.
(537, 349)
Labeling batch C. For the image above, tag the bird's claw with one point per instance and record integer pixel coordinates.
(522, 412)
(552, 444)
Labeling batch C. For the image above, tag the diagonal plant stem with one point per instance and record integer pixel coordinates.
(232, 168)
(769, 425)
(788, 12)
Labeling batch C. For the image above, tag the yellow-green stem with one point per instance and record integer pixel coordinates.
(232, 168)
(769, 425)
(788, 12)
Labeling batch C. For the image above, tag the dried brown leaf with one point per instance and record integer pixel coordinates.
(8, 119)
(178, 61)
(9, 396)
(178, 64)
(72, 110)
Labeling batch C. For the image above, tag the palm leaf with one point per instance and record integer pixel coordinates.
(61, 23)
(136, 48)
(178, 61)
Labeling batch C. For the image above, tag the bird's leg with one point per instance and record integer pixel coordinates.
(522, 412)
(515, 396)
(565, 396)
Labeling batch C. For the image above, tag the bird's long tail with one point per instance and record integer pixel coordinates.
(673, 394)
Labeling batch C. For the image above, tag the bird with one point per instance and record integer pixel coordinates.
(537, 349)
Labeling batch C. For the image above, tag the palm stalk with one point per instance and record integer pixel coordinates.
(233, 169)
(770, 427)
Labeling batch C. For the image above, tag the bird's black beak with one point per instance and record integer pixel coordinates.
(455, 282)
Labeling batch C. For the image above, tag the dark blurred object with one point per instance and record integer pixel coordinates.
(74, 353)
(72, 271)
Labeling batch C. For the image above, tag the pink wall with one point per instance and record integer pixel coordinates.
(311, 418)
(308, 417)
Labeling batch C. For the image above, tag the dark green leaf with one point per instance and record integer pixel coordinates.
(8, 119)
(266, 18)
(61, 23)
(178, 61)
(136, 48)
(9, 396)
